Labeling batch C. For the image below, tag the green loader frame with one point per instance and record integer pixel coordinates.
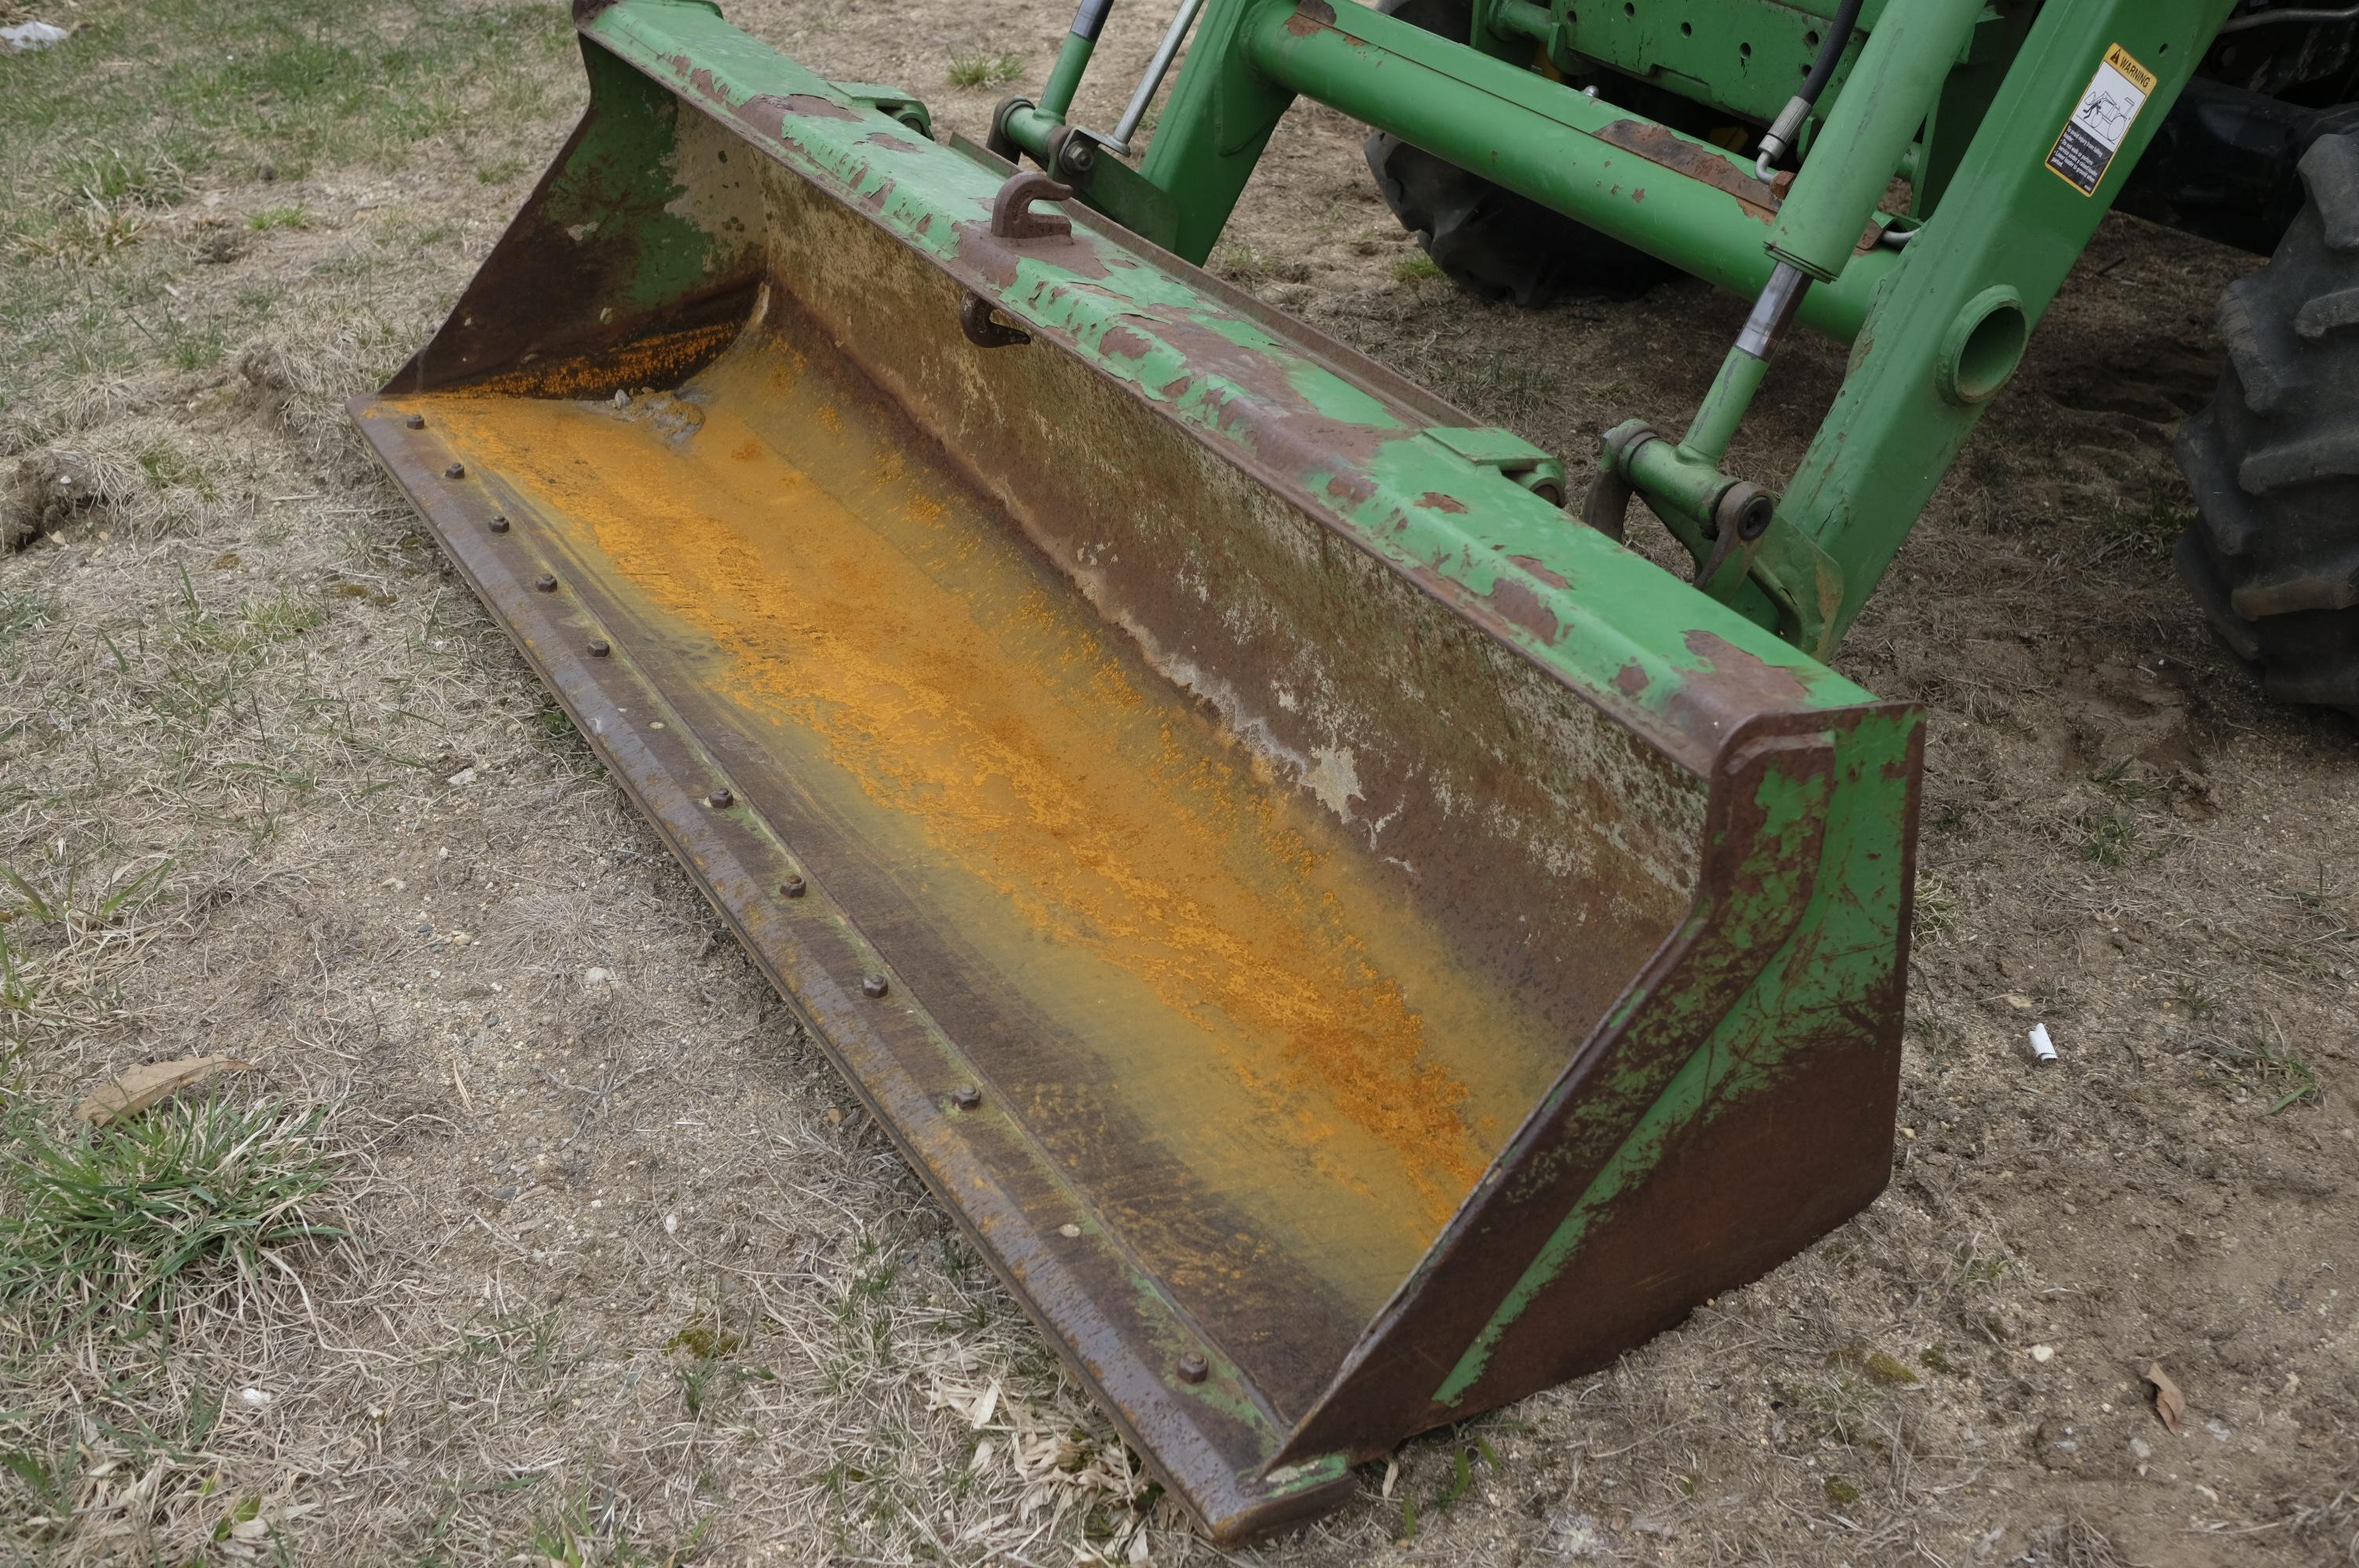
(2015, 124)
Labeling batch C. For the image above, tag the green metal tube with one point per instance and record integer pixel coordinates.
(1724, 406)
(1868, 132)
(1522, 19)
(1680, 200)
(1065, 76)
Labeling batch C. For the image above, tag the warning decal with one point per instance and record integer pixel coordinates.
(2102, 121)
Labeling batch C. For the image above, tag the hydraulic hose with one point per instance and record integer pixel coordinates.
(1788, 124)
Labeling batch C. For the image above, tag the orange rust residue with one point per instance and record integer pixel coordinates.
(998, 729)
(665, 358)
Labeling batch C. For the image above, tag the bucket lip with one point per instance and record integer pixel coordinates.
(1685, 698)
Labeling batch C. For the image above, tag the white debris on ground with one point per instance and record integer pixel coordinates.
(33, 36)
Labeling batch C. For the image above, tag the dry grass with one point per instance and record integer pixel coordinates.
(630, 1278)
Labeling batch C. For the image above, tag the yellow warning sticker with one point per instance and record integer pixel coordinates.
(2101, 122)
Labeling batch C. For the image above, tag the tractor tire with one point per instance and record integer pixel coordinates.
(1492, 242)
(2273, 557)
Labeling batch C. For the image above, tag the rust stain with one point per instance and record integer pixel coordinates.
(1309, 16)
(1441, 502)
(1631, 679)
(1542, 570)
(1107, 819)
(813, 106)
(1522, 607)
(1124, 344)
(1670, 150)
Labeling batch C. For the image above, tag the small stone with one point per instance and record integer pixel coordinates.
(461, 779)
(2043, 1354)
(1068, 1231)
(671, 1224)
(254, 1398)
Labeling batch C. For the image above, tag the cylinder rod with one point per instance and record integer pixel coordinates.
(1065, 76)
(1157, 68)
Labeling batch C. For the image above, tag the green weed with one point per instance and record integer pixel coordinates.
(985, 69)
(1420, 268)
(268, 218)
(2109, 838)
(2267, 1070)
(24, 611)
(131, 1225)
(1238, 260)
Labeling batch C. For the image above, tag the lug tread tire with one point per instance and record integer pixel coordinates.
(2330, 172)
(2267, 370)
(1492, 242)
(2273, 557)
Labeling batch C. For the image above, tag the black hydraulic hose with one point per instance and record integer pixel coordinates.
(1838, 39)
(1797, 109)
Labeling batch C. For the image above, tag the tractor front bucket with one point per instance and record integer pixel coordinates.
(1351, 945)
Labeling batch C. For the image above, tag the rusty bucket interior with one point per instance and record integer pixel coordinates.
(1263, 922)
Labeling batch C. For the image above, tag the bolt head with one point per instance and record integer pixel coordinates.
(966, 1098)
(793, 887)
(416, 421)
(720, 799)
(598, 648)
(456, 471)
(499, 525)
(1194, 1369)
(545, 583)
(1079, 156)
(874, 986)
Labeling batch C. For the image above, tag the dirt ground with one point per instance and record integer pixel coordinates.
(629, 1276)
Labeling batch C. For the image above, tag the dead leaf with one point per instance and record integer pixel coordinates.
(135, 1091)
(2169, 1402)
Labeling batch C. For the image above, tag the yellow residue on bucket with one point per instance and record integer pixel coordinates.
(851, 595)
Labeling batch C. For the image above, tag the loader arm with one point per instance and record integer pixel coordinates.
(2015, 126)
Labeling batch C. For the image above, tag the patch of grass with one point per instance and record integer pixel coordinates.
(86, 233)
(130, 1226)
(2194, 1002)
(2109, 838)
(1237, 260)
(499, 171)
(268, 218)
(278, 619)
(24, 611)
(2266, 1069)
(1418, 268)
(985, 69)
(169, 468)
(242, 90)
(134, 175)
(2154, 529)
(1936, 909)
